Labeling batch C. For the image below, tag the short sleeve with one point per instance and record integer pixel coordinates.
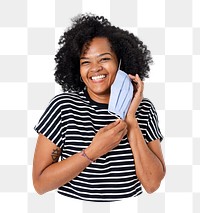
(153, 131)
(148, 121)
(50, 122)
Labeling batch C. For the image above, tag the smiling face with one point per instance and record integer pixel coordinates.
(98, 67)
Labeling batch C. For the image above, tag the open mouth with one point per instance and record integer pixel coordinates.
(98, 77)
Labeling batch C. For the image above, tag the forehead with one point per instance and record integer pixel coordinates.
(97, 45)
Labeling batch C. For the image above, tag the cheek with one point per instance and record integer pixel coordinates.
(112, 79)
(83, 76)
(113, 74)
(82, 72)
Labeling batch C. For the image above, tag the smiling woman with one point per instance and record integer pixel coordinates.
(98, 67)
(102, 158)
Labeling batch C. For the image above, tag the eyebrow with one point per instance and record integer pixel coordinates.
(97, 56)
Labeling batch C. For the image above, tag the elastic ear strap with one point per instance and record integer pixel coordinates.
(119, 64)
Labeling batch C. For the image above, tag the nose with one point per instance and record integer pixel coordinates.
(96, 67)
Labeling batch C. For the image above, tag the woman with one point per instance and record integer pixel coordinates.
(102, 158)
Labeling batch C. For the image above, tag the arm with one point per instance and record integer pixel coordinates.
(49, 174)
(149, 161)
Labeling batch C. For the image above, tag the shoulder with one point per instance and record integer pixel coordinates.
(67, 97)
(146, 107)
(146, 104)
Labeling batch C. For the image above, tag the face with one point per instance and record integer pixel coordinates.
(98, 67)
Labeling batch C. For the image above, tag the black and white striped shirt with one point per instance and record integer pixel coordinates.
(71, 121)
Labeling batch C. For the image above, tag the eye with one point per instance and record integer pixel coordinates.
(85, 62)
(105, 59)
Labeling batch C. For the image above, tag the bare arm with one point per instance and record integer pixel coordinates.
(149, 161)
(49, 174)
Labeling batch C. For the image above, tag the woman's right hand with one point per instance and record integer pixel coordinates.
(106, 139)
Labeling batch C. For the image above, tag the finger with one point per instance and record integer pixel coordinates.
(120, 127)
(112, 125)
(115, 128)
(122, 133)
(125, 132)
(138, 79)
(138, 83)
(135, 79)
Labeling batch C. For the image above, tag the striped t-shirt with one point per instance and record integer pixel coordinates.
(71, 121)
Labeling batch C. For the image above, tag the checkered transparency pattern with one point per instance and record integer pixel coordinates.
(29, 33)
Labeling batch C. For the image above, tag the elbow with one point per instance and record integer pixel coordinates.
(40, 192)
(152, 188)
(38, 188)
(153, 184)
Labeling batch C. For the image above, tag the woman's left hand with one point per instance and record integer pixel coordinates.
(138, 96)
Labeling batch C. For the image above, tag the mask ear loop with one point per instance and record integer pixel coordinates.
(119, 64)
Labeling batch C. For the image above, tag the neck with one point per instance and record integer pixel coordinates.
(99, 98)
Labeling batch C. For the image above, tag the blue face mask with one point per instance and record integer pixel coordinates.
(121, 95)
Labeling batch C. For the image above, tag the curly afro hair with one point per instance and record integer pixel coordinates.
(134, 55)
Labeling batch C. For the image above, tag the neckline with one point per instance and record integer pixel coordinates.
(101, 105)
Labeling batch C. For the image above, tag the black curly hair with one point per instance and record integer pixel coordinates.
(134, 55)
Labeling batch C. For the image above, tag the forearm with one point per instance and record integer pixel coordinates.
(59, 173)
(149, 168)
(49, 175)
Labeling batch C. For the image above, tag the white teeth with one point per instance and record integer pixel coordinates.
(98, 77)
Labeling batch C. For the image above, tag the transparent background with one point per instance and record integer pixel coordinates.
(29, 33)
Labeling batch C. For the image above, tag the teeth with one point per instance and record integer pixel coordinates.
(98, 77)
